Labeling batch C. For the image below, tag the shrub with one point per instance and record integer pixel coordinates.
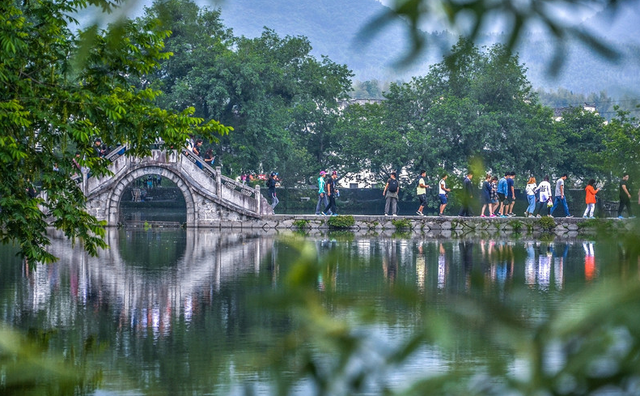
(516, 225)
(301, 224)
(401, 224)
(341, 221)
(547, 223)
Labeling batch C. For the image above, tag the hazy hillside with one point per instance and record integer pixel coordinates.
(332, 27)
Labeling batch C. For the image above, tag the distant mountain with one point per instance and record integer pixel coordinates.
(332, 27)
(584, 70)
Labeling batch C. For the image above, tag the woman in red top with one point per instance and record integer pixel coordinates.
(590, 199)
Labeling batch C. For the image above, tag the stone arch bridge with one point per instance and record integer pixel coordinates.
(211, 198)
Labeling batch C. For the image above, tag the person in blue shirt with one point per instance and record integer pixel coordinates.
(322, 194)
(502, 192)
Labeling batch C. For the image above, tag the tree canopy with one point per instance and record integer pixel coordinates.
(63, 88)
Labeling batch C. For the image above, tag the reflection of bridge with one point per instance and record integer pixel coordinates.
(210, 197)
(140, 296)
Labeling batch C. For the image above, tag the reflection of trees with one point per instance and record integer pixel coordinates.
(182, 323)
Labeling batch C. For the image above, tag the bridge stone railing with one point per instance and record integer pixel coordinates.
(210, 196)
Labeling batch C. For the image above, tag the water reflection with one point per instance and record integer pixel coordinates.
(150, 278)
(165, 301)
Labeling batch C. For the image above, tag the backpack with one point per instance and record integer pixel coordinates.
(268, 183)
(393, 185)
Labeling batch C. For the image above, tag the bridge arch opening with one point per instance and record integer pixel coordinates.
(151, 194)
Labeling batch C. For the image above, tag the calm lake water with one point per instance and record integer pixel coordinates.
(201, 312)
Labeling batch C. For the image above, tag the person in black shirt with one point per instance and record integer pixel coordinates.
(332, 192)
(271, 184)
(625, 196)
(467, 195)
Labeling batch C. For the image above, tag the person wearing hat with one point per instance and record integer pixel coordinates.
(322, 196)
(332, 192)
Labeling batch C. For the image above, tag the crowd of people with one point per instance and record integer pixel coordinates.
(497, 196)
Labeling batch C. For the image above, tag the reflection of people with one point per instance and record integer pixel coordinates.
(390, 262)
(442, 268)
(589, 261)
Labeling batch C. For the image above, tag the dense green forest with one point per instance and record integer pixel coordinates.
(475, 108)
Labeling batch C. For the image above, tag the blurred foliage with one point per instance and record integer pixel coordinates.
(571, 351)
(469, 18)
(28, 368)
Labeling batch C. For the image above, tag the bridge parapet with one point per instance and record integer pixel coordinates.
(210, 197)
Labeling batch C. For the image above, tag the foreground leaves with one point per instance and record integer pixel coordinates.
(63, 89)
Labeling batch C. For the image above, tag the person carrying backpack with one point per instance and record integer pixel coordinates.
(390, 192)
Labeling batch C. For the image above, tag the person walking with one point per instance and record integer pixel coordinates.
(511, 194)
(390, 192)
(209, 159)
(625, 196)
(443, 193)
(486, 195)
(322, 197)
(590, 199)
(271, 185)
(332, 193)
(494, 196)
(531, 196)
(560, 197)
(467, 196)
(421, 192)
(544, 189)
(502, 193)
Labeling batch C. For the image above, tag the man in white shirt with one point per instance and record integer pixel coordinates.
(560, 197)
(421, 192)
(442, 193)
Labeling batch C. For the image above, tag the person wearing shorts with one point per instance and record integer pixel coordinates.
(442, 193)
(421, 191)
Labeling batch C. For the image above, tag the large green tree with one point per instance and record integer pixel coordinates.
(472, 107)
(281, 101)
(583, 136)
(62, 88)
